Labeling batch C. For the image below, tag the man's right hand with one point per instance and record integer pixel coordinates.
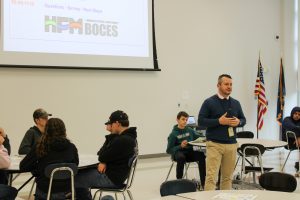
(184, 143)
(223, 120)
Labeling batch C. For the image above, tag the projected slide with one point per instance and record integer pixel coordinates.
(88, 27)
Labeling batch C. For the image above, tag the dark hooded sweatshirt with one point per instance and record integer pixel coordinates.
(289, 124)
(60, 151)
(177, 136)
(29, 140)
(116, 152)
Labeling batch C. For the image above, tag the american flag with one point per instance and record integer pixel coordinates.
(261, 96)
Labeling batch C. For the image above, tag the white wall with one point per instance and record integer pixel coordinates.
(289, 52)
(196, 41)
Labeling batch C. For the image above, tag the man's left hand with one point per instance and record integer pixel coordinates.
(102, 167)
(234, 122)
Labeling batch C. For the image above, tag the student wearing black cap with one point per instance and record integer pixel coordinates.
(40, 118)
(113, 157)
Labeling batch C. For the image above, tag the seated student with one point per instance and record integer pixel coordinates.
(4, 157)
(31, 137)
(54, 147)
(292, 123)
(6, 144)
(181, 151)
(6, 192)
(113, 157)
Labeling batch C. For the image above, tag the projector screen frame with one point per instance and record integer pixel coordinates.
(154, 51)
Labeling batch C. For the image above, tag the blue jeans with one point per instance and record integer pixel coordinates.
(40, 195)
(7, 192)
(88, 178)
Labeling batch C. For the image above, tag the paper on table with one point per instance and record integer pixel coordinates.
(234, 196)
(199, 140)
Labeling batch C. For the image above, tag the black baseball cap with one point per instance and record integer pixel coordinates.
(118, 115)
(40, 113)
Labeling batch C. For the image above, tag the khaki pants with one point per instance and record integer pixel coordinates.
(217, 155)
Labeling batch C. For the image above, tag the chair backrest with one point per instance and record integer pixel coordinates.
(252, 149)
(278, 181)
(132, 165)
(291, 140)
(245, 134)
(61, 171)
(178, 186)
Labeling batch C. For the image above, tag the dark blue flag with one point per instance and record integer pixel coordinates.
(281, 95)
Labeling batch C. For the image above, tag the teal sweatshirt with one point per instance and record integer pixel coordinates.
(177, 136)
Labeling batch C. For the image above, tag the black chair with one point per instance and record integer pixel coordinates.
(178, 186)
(292, 145)
(254, 151)
(278, 181)
(61, 171)
(242, 134)
(124, 187)
(245, 134)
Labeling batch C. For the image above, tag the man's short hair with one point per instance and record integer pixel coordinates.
(223, 75)
(182, 114)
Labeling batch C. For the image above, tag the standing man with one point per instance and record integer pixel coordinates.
(221, 114)
(31, 137)
(181, 151)
(112, 169)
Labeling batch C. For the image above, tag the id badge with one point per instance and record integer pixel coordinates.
(230, 132)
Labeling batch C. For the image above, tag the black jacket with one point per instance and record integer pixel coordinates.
(116, 152)
(29, 140)
(60, 151)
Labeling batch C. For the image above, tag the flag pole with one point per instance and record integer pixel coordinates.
(259, 92)
(257, 118)
(257, 110)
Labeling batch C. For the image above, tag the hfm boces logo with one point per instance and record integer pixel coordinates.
(56, 24)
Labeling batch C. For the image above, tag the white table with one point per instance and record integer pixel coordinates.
(234, 194)
(171, 197)
(265, 142)
(268, 144)
(85, 160)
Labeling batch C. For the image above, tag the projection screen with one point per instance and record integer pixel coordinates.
(84, 34)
